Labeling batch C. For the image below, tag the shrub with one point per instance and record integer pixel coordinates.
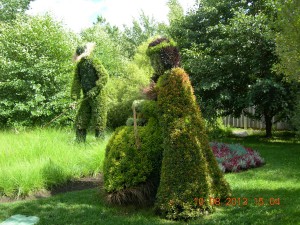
(216, 129)
(170, 157)
(235, 157)
(122, 92)
(126, 88)
(296, 117)
(130, 174)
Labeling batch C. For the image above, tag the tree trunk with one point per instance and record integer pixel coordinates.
(268, 121)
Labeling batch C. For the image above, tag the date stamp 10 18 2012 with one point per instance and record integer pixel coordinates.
(259, 201)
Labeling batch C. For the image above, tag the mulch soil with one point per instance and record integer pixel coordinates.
(74, 185)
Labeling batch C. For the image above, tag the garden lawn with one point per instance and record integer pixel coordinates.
(39, 159)
(278, 179)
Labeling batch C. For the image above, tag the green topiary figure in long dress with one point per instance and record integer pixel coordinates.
(165, 157)
(189, 169)
(90, 78)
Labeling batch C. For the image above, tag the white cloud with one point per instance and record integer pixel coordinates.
(80, 14)
(75, 14)
(122, 12)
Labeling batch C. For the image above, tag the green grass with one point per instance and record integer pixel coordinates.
(34, 160)
(279, 178)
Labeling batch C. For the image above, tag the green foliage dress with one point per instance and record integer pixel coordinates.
(189, 169)
(90, 77)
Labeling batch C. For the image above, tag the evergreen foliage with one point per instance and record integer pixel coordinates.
(189, 168)
(90, 77)
(131, 175)
(173, 139)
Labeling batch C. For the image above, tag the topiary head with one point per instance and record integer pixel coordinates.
(83, 51)
(163, 54)
(80, 50)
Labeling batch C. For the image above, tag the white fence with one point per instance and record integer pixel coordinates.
(245, 122)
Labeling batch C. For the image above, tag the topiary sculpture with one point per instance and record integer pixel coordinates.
(166, 156)
(131, 171)
(189, 169)
(90, 77)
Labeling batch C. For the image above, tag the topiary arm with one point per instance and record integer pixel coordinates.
(76, 86)
(102, 78)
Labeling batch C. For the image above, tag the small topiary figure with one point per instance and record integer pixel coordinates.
(90, 77)
(189, 169)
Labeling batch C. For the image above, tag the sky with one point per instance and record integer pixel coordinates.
(80, 14)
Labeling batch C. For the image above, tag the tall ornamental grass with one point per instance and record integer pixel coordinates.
(41, 159)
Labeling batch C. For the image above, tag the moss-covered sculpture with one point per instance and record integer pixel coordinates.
(189, 169)
(90, 78)
(131, 172)
(174, 138)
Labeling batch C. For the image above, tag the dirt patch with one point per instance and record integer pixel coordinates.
(80, 184)
(74, 185)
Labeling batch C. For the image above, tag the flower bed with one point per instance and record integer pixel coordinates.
(235, 157)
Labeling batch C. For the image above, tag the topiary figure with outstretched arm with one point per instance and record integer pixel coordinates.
(90, 78)
(189, 169)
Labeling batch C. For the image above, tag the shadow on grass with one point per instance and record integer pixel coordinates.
(262, 208)
(278, 181)
(280, 137)
(86, 207)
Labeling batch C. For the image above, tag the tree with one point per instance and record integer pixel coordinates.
(113, 31)
(35, 66)
(287, 40)
(227, 48)
(288, 46)
(175, 11)
(10, 8)
(272, 97)
(141, 30)
(123, 90)
(107, 50)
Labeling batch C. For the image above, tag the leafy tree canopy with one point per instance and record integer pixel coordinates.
(10, 8)
(35, 67)
(229, 48)
(288, 46)
(107, 50)
(141, 30)
(288, 41)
